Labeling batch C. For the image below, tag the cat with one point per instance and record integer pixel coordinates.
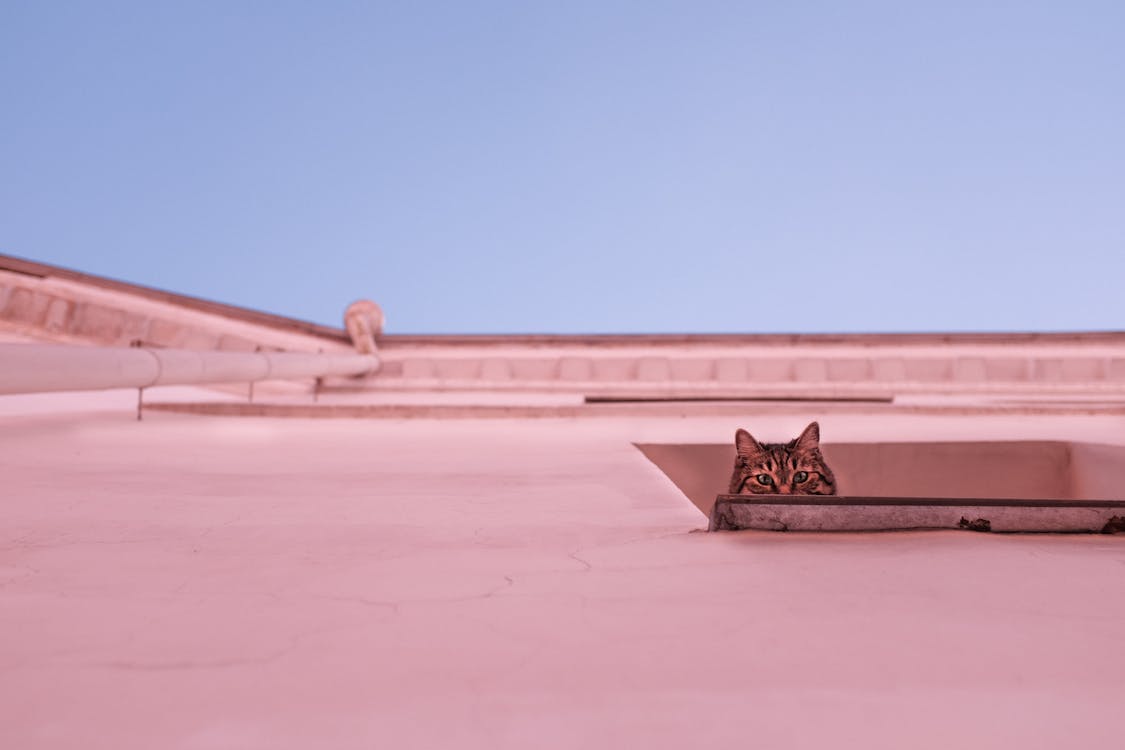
(793, 468)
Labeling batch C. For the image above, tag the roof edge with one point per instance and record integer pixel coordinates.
(26, 267)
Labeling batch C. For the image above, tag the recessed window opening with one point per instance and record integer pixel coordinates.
(923, 485)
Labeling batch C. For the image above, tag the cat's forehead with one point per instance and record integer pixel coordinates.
(772, 450)
(780, 453)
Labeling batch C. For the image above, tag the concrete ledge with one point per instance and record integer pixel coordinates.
(663, 409)
(813, 513)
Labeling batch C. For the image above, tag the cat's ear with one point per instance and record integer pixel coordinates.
(809, 439)
(745, 443)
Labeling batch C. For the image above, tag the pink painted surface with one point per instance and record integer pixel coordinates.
(219, 583)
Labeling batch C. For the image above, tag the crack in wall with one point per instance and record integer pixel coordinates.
(225, 663)
(573, 555)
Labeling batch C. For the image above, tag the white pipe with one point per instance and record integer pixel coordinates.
(35, 368)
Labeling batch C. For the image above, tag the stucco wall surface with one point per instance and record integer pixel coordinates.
(190, 582)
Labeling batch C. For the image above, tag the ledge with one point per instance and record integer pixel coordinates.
(818, 513)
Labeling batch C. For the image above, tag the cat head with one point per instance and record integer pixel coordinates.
(793, 468)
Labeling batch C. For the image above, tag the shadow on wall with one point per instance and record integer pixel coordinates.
(1002, 470)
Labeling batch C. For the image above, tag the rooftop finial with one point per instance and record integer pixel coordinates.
(364, 321)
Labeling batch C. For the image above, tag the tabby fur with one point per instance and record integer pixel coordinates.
(793, 468)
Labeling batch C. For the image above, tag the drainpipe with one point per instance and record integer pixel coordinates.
(37, 368)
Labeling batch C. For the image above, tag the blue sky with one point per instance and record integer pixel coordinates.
(581, 166)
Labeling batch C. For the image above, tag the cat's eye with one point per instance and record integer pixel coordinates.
(765, 479)
(800, 476)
